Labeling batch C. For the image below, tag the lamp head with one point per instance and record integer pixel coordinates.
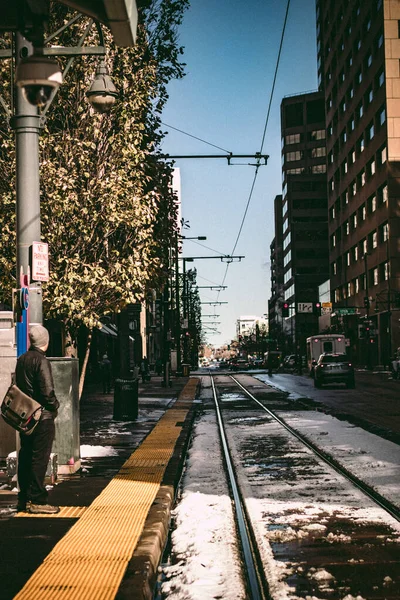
(102, 92)
(38, 77)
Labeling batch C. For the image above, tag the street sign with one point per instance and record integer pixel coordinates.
(40, 261)
(304, 307)
(346, 311)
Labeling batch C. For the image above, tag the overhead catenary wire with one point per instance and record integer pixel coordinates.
(195, 137)
(262, 140)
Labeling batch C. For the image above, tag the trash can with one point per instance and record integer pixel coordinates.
(186, 370)
(126, 399)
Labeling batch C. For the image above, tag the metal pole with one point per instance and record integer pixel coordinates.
(178, 309)
(26, 123)
(389, 302)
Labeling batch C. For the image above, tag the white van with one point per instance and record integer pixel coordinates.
(320, 344)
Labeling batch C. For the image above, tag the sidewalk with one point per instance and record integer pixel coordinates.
(105, 446)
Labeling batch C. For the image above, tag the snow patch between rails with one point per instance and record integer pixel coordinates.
(97, 451)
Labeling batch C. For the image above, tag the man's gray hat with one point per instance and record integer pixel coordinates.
(38, 336)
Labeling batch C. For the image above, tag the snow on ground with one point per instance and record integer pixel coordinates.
(371, 458)
(205, 561)
(96, 451)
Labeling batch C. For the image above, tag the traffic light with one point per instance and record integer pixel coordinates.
(366, 302)
(317, 308)
(285, 310)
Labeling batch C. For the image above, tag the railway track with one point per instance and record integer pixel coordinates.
(345, 545)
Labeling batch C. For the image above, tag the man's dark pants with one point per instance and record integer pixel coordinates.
(33, 459)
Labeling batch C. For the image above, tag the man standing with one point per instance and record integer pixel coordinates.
(34, 377)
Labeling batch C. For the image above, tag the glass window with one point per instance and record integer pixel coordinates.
(385, 193)
(291, 156)
(383, 155)
(294, 138)
(354, 220)
(375, 276)
(316, 152)
(372, 204)
(348, 259)
(360, 110)
(374, 239)
(369, 60)
(356, 285)
(363, 247)
(385, 232)
(381, 79)
(318, 134)
(371, 167)
(385, 271)
(362, 213)
(371, 131)
(318, 169)
(382, 115)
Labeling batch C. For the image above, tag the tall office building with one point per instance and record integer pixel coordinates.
(275, 302)
(304, 212)
(358, 44)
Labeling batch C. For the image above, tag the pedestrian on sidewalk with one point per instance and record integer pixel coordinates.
(145, 369)
(159, 366)
(33, 376)
(106, 371)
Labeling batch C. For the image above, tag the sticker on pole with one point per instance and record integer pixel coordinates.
(40, 261)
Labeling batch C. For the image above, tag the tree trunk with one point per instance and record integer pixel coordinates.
(70, 347)
(85, 363)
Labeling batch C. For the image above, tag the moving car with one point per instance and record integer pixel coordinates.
(323, 344)
(334, 368)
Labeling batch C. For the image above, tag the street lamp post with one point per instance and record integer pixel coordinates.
(27, 124)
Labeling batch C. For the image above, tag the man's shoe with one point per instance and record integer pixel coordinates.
(43, 509)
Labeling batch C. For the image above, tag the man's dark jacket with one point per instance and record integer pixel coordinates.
(34, 377)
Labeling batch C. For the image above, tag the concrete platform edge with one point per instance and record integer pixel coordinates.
(140, 578)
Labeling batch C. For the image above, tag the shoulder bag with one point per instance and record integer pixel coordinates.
(20, 411)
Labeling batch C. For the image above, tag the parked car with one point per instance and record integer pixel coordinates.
(256, 363)
(241, 364)
(334, 368)
(289, 361)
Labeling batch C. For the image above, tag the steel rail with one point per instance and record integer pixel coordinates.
(382, 502)
(253, 577)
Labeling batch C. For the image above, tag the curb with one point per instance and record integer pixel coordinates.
(140, 578)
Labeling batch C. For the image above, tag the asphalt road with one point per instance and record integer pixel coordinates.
(374, 403)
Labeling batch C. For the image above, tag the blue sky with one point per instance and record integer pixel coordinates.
(231, 48)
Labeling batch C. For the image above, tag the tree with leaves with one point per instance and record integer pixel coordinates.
(107, 206)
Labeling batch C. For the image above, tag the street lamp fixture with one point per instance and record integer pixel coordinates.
(38, 77)
(199, 237)
(102, 93)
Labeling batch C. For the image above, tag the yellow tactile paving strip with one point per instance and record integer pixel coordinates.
(89, 562)
(66, 512)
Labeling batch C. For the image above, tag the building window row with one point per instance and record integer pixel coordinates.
(368, 244)
(348, 65)
(376, 275)
(366, 173)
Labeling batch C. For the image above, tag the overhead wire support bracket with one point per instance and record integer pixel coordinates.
(229, 157)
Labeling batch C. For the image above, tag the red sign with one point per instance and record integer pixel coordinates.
(40, 261)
